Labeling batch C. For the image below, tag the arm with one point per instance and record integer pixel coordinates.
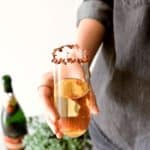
(90, 35)
(94, 18)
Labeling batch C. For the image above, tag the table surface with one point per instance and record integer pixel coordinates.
(2, 146)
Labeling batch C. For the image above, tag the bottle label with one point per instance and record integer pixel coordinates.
(9, 103)
(10, 108)
(13, 143)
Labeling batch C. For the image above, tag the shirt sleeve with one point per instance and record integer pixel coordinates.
(100, 10)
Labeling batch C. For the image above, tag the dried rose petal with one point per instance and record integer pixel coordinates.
(78, 56)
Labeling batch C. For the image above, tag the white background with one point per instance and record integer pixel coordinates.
(29, 30)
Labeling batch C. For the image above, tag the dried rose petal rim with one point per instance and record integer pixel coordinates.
(68, 60)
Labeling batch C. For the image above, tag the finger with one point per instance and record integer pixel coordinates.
(92, 103)
(48, 103)
(59, 135)
(46, 95)
(54, 127)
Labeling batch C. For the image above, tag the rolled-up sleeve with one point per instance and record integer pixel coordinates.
(100, 10)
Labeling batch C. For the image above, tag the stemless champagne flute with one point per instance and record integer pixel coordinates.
(71, 89)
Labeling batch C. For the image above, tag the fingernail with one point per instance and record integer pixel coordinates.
(95, 110)
(59, 135)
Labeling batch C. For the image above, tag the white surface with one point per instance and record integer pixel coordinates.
(2, 146)
(29, 30)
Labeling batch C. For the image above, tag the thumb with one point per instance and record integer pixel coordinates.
(92, 103)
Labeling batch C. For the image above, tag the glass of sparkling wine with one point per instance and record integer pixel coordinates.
(71, 89)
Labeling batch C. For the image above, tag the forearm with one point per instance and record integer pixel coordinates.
(90, 34)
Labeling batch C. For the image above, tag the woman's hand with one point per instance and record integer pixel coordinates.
(46, 92)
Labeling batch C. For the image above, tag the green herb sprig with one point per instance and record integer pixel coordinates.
(40, 137)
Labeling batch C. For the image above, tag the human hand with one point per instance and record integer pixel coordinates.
(46, 92)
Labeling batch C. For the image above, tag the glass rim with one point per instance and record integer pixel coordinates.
(70, 53)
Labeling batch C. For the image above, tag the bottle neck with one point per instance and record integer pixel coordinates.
(9, 101)
(10, 95)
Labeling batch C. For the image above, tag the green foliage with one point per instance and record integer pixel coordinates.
(41, 137)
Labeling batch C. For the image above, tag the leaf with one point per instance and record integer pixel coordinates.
(40, 137)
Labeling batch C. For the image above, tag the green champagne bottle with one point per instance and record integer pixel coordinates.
(13, 119)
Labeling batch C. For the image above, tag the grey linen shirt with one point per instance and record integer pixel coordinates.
(121, 75)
